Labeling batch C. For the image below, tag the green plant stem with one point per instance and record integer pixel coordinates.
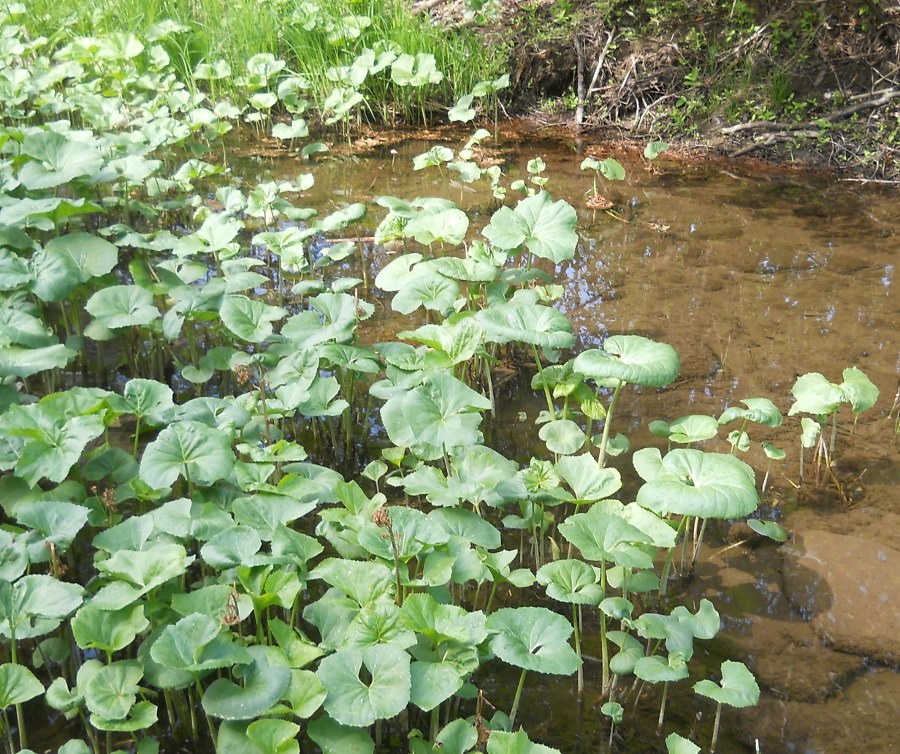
(715, 734)
(209, 723)
(662, 709)
(515, 707)
(20, 713)
(667, 565)
(604, 644)
(833, 434)
(398, 597)
(537, 361)
(607, 423)
(487, 608)
(699, 544)
(435, 723)
(137, 437)
(7, 731)
(575, 622)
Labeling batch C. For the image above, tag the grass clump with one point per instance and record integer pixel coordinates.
(328, 46)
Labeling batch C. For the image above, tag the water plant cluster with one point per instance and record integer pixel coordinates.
(195, 546)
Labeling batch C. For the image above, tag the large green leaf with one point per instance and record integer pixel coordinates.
(694, 483)
(17, 685)
(108, 630)
(35, 605)
(263, 685)
(24, 362)
(196, 644)
(249, 319)
(738, 688)
(357, 702)
(427, 288)
(603, 534)
(501, 742)
(448, 226)
(533, 638)
(858, 390)
(190, 449)
(440, 414)
(759, 410)
(562, 436)
(110, 691)
(122, 306)
(334, 738)
(571, 581)
(58, 522)
(91, 255)
(143, 569)
(363, 582)
(56, 159)
(657, 670)
(632, 359)
(146, 399)
(588, 481)
(815, 395)
(526, 323)
(687, 429)
(547, 228)
(54, 449)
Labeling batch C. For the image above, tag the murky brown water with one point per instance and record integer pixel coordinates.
(755, 278)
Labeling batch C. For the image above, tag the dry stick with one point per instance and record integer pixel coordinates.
(876, 99)
(579, 79)
(601, 60)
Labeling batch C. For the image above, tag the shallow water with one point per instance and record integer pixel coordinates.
(755, 277)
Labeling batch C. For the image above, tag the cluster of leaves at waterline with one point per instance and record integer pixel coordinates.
(371, 59)
(233, 585)
(218, 551)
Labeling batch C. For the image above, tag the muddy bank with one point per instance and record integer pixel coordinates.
(816, 83)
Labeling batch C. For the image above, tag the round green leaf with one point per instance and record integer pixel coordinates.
(632, 359)
(199, 453)
(676, 744)
(694, 483)
(357, 702)
(562, 436)
(122, 306)
(17, 685)
(249, 319)
(815, 395)
(759, 410)
(588, 481)
(533, 638)
(263, 685)
(110, 691)
(769, 529)
(546, 227)
(738, 688)
(108, 630)
(571, 581)
(656, 670)
(526, 323)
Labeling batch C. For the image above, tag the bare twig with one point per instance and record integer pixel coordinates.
(601, 60)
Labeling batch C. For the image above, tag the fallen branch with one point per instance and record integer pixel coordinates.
(772, 138)
(601, 60)
(876, 100)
